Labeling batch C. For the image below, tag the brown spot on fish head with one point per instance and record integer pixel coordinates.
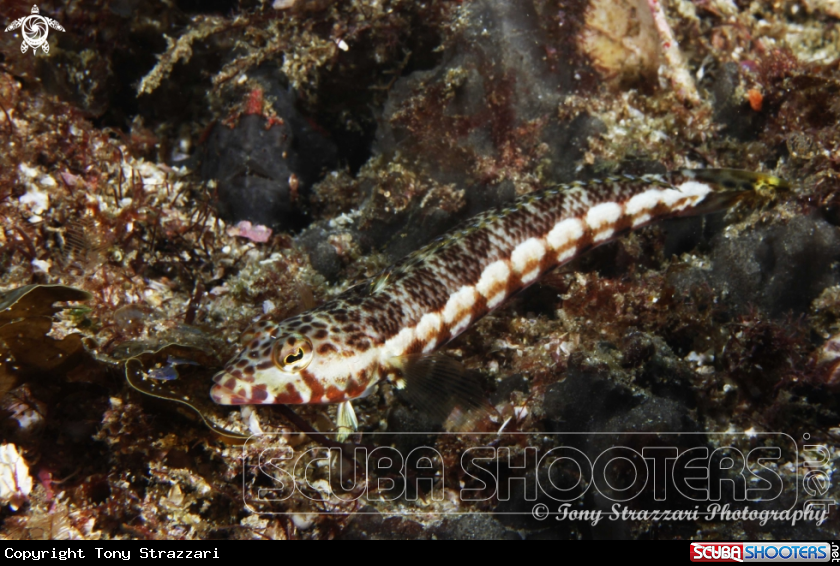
(220, 376)
(359, 341)
(334, 394)
(259, 393)
(289, 397)
(326, 348)
(315, 386)
(225, 396)
(355, 388)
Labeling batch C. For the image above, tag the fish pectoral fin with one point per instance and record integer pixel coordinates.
(346, 421)
(440, 386)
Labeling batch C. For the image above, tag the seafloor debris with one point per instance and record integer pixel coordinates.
(145, 369)
(829, 362)
(25, 322)
(423, 113)
(245, 229)
(15, 481)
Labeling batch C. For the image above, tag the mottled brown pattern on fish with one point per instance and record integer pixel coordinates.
(290, 396)
(434, 294)
(316, 387)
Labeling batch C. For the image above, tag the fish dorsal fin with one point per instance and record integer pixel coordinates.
(440, 386)
(378, 283)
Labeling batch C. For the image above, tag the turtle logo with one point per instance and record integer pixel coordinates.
(35, 30)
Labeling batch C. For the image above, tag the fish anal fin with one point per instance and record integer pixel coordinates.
(346, 421)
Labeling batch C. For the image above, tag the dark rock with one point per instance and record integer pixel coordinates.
(653, 415)
(587, 398)
(264, 165)
(405, 418)
(251, 174)
(521, 490)
(507, 386)
(323, 255)
(659, 369)
(780, 268)
(683, 235)
(637, 348)
(368, 524)
(474, 527)
(732, 110)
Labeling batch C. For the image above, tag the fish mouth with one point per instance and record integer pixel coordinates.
(224, 392)
(222, 376)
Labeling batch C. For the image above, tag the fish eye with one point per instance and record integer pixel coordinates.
(292, 358)
(291, 353)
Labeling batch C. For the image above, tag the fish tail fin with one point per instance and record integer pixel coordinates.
(731, 186)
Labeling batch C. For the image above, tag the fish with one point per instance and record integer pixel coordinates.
(392, 327)
(169, 372)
